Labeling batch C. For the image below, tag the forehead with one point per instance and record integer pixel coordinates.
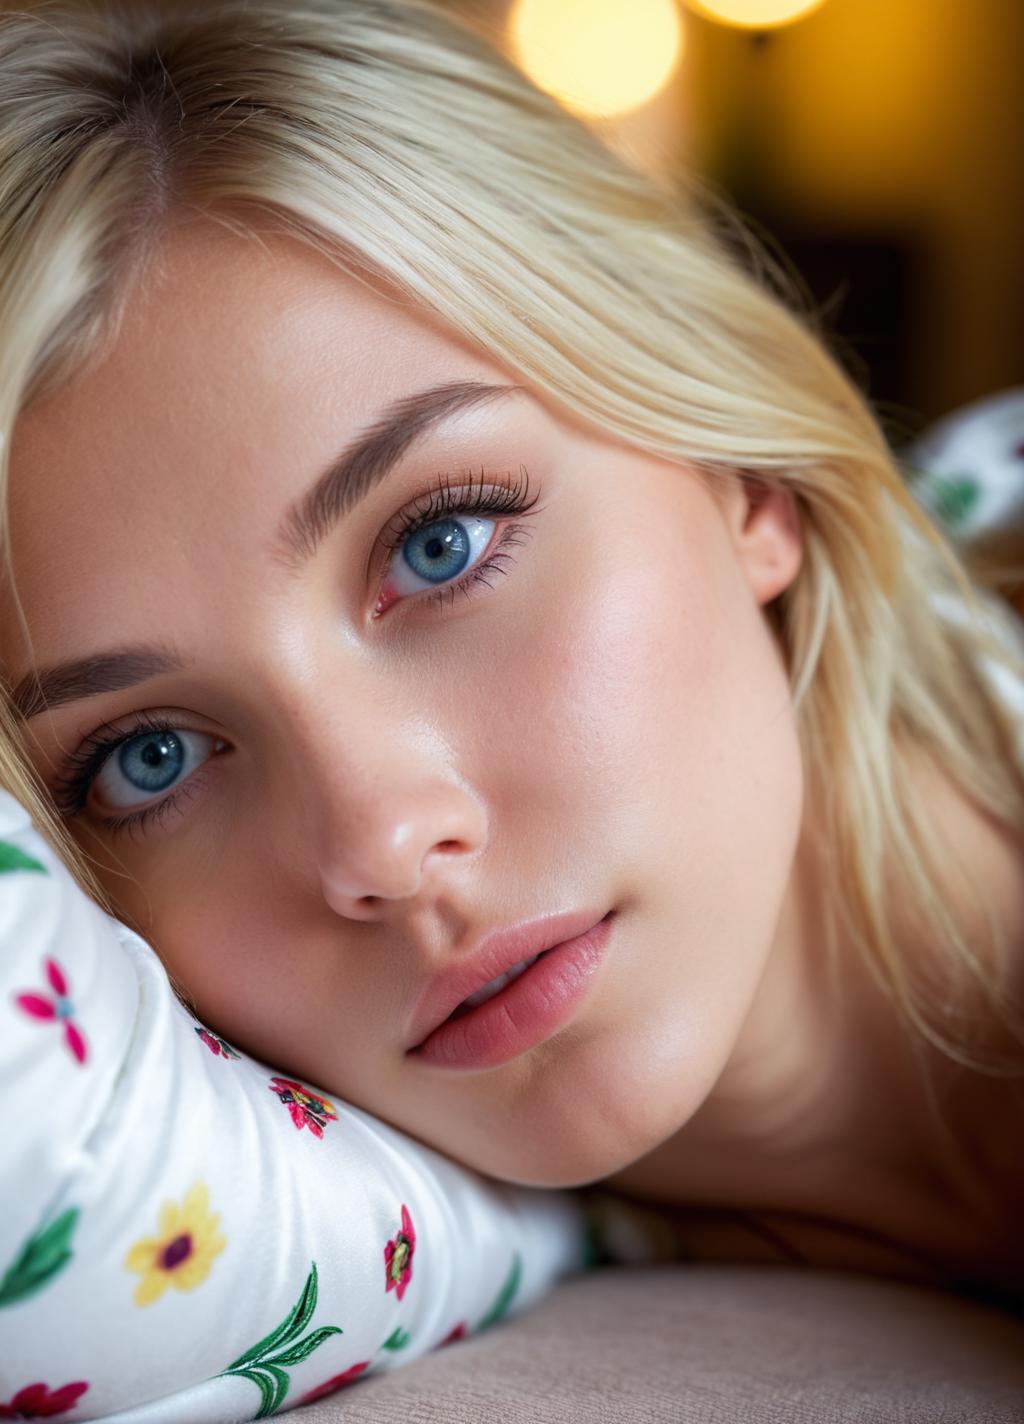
(241, 368)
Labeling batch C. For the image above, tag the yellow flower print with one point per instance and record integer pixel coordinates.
(182, 1253)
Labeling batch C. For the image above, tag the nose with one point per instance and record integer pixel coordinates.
(392, 825)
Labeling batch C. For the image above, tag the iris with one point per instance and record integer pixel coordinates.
(438, 551)
(152, 762)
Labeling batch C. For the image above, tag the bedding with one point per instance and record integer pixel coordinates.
(189, 1235)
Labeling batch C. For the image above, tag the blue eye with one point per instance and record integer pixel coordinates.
(439, 551)
(151, 764)
(441, 541)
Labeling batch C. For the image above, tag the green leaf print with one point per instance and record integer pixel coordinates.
(506, 1295)
(12, 858)
(41, 1258)
(298, 1352)
(272, 1390)
(950, 498)
(290, 1327)
(264, 1368)
(397, 1340)
(954, 498)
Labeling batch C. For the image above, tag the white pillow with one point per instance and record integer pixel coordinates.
(968, 468)
(187, 1235)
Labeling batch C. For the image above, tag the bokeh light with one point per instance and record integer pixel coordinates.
(598, 57)
(755, 14)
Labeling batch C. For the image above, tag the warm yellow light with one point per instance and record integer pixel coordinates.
(599, 57)
(755, 14)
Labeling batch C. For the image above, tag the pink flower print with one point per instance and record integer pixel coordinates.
(307, 1109)
(336, 1382)
(36, 1401)
(58, 1008)
(219, 1047)
(398, 1255)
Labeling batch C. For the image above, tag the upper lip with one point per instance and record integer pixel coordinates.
(499, 951)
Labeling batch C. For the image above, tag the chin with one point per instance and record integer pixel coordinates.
(570, 1119)
(554, 1171)
(547, 1176)
(567, 1156)
(577, 1129)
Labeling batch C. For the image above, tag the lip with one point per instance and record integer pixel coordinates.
(525, 1011)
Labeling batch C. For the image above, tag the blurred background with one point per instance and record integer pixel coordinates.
(875, 144)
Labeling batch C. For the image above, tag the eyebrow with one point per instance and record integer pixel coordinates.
(369, 459)
(51, 687)
(307, 521)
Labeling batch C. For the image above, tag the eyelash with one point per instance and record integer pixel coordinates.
(82, 767)
(442, 500)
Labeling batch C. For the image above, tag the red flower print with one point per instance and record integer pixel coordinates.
(219, 1047)
(58, 1008)
(398, 1255)
(307, 1108)
(337, 1382)
(36, 1402)
(459, 1333)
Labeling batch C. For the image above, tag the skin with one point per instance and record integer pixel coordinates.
(607, 725)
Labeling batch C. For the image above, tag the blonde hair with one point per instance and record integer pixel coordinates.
(402, 144)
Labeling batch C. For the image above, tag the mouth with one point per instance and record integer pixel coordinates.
(521, 1007)
(494, 987)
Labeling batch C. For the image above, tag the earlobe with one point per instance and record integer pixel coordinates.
(768, 535)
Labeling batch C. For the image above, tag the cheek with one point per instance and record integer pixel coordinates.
(259, 956)
(221, 958)
(649, 707)
(672, 772)
(226, 942)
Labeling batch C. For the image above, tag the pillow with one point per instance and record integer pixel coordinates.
(967, 471)
(188, 1234)
(968, 468)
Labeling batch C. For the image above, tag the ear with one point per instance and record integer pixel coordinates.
(764, 525)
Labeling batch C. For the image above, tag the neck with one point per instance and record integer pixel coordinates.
(829, 1105)
(824, 1067)
(791, 1088)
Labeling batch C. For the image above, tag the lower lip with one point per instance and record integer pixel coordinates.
(525, 1012)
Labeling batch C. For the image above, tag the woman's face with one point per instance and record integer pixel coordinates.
(380, 760)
